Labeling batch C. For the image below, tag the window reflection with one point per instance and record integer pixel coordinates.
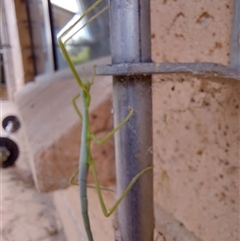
(70, 5)
(91, 42)
(49, 17)
(61, 17)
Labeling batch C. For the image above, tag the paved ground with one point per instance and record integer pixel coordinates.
(26, 215)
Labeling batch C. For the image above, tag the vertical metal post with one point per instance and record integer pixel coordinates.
(235, 37)
(130, 43)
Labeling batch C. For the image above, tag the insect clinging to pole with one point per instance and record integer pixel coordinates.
(85, 160)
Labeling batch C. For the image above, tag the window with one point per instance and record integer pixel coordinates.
(49, 17)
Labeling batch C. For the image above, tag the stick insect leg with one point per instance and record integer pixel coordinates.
(110, 134)
(74, 103)
(75, 173)
(106, 212)
(93, 75)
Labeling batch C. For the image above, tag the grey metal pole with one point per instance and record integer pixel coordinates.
(235, 37)
(130, 42)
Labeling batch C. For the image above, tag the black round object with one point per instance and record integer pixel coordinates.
(15, 123)
(12, 147)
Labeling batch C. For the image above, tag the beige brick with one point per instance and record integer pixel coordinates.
(196, 123)
(196, 153)
(53, 129)
(191, 31)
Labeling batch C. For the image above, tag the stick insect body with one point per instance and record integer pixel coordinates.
(86, 161)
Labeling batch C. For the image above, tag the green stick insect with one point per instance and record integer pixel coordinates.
(85, 160)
